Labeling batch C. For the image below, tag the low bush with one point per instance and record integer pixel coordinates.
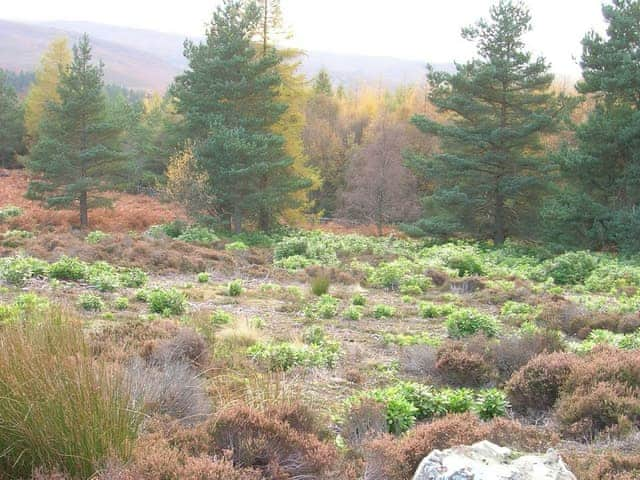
(468, 321)
(95, 237)
(536, 386)
(17, 270)
(359, 300)
(353, 312)
(8, 212)
(408, 339)
(90, 302)
(59, 407)
(133, 278)
(121, 303)
(570, 268)
(166, 301)
(384, 311)
(458, 367)
(466, 264)
(220, 317)
(15, 238)
(203, 277)
(198, 235)
(325, 307)
(435, 310)
(234, 289)
(284, 356)
(271, 445)
(68, 268)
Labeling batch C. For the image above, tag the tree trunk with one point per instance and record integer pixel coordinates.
(84, 210)
(499, 219)
(237, 220)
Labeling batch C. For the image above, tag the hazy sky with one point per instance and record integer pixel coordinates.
(426, 30)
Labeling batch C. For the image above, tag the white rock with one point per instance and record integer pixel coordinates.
(487, 461)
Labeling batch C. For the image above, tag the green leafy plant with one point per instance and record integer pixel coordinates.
(234, 289)
(8, 212)
(320, 285)
(220, 317)
(198, 235)
(166, 301)
(435, 310)
(468, 321)
(359, 300)
(17, 270)
(95, 237)
(133, 278)
(326, 307)
(491, 404)
(383, 311)
(353, 312)
(90, 302)
(203, 277)
(466, 264)
(284, 356)
(121, 303)
(68, 268)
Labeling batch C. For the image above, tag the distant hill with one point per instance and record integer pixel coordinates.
(149, 60)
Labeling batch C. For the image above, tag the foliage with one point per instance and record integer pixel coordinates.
(77, 147)
(68, 268)
(284, 356)
(17, 270)
(359, 300)
(325, 307)
(468, 321)
(435, 310)
(569, 268)
(383, 311)
(10, 211)
(234, 289)
(90, 302)
(198, 235)
(353, 312)
(121, 303)
(220, 317)
(203, 277)
(320, 285)
(96, 236)
(12, 121)
(166, 301)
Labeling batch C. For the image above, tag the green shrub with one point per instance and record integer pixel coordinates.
(326, 307)
(468, 321)
(60, 408)
(435, 310)
(236, 246)
(570, 268)
(466, 264)
(220, 317)
(133, 278)
(359, 300)
(167, 301)
(516, 308)
(95, 237)
(234, 289)
(290, 247)
(121, 303)
(314, 335)
(173, 229)
(383, 311)
(408, 339)
(353, 312)
(284, 356)
(90, 302)
(491, 404)
(17, 270)
(320, 285)
(142, 295)
(203, 277)
(8, 212)
(103, 276)
(15, 238)
(68, 268)
(198, 235)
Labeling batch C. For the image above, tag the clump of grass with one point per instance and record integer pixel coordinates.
(234, 289)
(60, 409)
(359, 300)
(121, 303)
(203, 277)
(320, 285)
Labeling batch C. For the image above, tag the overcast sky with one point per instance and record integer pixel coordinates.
(426, 30)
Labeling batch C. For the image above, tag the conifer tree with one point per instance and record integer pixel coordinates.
(45, 88)
(77, 149)
(487, 178)
(229, 100)
(322, 83)
(11, 123)
(600, 199)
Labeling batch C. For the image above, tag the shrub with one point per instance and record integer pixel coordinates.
(198, 235)
(271, 445)
(458, 367)
(359, 300)
(17, 270)
(95, 237)
(59, 407)
(536, 386)
(187, 346)
(234, 289)
(314, 335)
(408, 339)
(320, 285)
(326, 307)
(68, 268)
(491, 404)
(133, 278)
(383, 311)
(236, 246)
(102, 276)
(570, 268)
(9, 211)
(284, 356)
(15, 238)
(353, 312)
(166, 301)
(465, 264)
(203, 277)
(465, 322)
(90, 302)
(434, 310)
(290, 247)
(121, 303)
(220, 317)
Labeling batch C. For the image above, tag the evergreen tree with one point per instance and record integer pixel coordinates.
(76, 152)
(45, 88)
(229, 100)
(322, 83)
(487, 179)
(11, 123)
(601, 189)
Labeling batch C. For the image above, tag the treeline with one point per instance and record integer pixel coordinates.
(491, 151)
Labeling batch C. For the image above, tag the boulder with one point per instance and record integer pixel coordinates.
(487, 461)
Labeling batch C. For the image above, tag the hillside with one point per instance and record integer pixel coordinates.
(146, 59)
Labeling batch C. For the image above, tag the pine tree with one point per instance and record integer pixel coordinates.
(12, 123)
(229, 100)
(45, 88)
(600, 202)
(76, 152)
(322, 83)
(487, 179)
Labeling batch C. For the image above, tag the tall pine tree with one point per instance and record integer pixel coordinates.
(229, 98)
(11, 123)
(600, 202)
(77, 148)
(487, 178)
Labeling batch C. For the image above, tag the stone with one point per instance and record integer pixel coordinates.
(487, 461)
